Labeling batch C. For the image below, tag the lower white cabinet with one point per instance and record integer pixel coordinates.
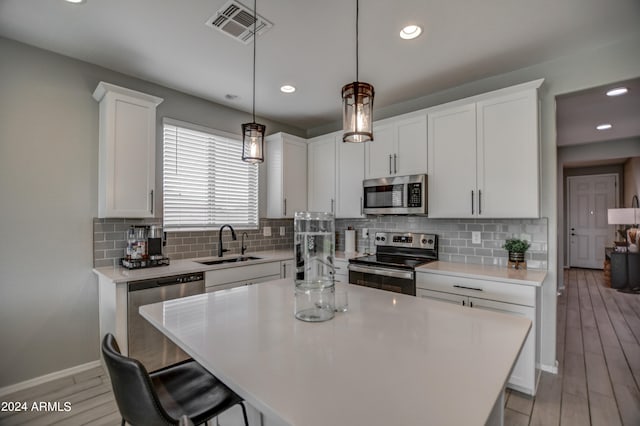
(222, 279)
(287, 268)
(342, 271)
(509, 298)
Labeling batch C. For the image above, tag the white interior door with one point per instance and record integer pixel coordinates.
(589, 199)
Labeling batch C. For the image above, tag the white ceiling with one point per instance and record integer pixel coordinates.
(579, 113)
(312, 44)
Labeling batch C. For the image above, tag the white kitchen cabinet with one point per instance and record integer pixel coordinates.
(288, 268)
(286, 158)
(342, 270)
(484, 156)
(508, 140)
(452, 162)
(221, 279)
(127, 146)
(322, 174)
(350, 174)
(399, 147)
(513, 299)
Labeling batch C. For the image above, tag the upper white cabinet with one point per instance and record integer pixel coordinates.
(336, 171)
(286, 158)
(322, 174)
(350, 167)
(399, 147)
(127, 146)
(484, 156)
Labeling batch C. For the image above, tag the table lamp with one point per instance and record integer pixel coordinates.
(626, 216)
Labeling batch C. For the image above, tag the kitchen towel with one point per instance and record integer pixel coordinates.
(350, 241)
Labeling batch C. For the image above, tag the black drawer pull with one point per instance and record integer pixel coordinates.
(467, 288)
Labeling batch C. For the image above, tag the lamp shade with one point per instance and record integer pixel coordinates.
(357, 112)
(622, 216)
(253, 142)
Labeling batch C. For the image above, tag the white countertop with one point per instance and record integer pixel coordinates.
(187, 266)
(534, 277)
(392, 359)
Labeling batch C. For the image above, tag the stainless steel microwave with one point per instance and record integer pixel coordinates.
(396, 195)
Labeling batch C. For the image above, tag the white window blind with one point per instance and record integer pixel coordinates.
(205, 182)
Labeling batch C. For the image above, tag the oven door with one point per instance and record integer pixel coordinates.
(390, 279)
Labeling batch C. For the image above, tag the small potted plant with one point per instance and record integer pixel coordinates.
(516, 249)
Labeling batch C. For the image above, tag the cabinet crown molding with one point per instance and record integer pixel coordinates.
(103, 88)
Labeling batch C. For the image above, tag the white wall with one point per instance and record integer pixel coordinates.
(48, 197)
(582, 70)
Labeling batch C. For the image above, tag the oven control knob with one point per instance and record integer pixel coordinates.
(382, 238)
(430, 241)
(424, 241)
(377, 238)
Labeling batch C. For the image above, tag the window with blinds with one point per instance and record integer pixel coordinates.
(205, 182)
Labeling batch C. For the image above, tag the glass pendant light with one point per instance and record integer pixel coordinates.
(357, 104)
(253, 133)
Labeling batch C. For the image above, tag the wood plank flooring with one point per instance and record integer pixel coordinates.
(598, 350)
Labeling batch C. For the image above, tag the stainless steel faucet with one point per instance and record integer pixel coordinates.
(233, 237)
(243, 248)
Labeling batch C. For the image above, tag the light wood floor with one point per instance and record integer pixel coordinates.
(597, 384)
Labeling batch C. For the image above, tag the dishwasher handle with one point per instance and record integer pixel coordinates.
(165, 281)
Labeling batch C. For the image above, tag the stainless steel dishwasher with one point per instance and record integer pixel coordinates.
(146, 343)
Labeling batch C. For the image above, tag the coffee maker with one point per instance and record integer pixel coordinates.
(155, 242)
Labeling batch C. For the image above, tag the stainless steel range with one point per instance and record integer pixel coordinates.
(393, 266)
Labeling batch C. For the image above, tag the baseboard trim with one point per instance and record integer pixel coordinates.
(553, 369)
(48, 377)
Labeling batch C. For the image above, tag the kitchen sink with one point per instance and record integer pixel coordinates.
(229, 260)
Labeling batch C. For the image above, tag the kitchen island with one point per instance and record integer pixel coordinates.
(392, 359)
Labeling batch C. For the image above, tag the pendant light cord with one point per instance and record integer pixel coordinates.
(255, 39)
(357, 47)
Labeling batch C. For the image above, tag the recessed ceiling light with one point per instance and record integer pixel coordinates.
(287, 89)
(604, 126)
(617, 91)
(410, 31)
(75, 1)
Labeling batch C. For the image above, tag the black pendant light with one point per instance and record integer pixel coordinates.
(253, 133)
(357, 104)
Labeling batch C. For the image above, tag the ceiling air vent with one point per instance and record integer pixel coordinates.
(236, 20)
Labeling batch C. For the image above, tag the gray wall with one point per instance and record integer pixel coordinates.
(48, 188)
(582, 70)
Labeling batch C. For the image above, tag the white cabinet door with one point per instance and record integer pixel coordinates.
(322, 174)
(379, 152)
(350, 168)
(442, 297)
(523, 376)
(452, 162)
(286, 158)
(287, 268)
(410, 157)
(342, 270)
(508, 156)
(127, 146)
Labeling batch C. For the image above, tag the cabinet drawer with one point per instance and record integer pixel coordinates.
(484, 289)
(242, 273)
